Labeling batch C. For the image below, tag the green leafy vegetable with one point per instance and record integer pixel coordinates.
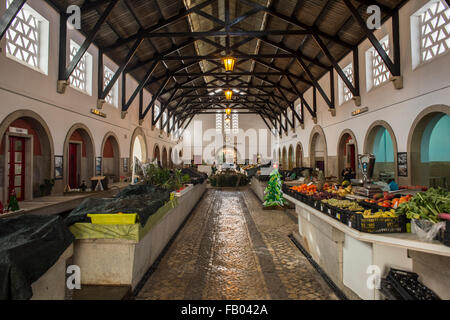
(426, 205)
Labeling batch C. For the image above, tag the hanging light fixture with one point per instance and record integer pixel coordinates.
(229, 62)
(228, 111)
(227, 119)
(228, 94)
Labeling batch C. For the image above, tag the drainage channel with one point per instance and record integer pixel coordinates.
(322, 273)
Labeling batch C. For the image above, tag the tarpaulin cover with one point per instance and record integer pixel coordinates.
(144, 200)
(134, 232)
(196, 176)
(251, 172)
(29, 246)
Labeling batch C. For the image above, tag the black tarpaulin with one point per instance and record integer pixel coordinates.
(29, 246)
(143, 199)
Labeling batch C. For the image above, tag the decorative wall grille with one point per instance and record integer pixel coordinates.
(218, 122)
(346, 93)
(22, 38)
(434, 31)
(380, 73)
(111, 98)
(235, 122)
(78, 76)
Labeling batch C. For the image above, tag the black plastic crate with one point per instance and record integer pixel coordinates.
(388, 290)
(328, 210)
(316, 203)
(308, 200)
(376, 225)
(409, 287)
(322, 206)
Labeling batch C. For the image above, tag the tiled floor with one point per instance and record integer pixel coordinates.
(232, 249)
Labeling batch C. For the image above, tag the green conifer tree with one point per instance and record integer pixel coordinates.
(273, 196)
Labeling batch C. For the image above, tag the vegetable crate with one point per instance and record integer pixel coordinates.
(376, 225)
(334, 212)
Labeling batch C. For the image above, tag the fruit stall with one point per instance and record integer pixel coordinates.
(351, 236)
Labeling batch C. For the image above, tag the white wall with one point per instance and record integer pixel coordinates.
(253, 130)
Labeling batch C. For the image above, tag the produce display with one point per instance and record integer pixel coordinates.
(379, 214)
(327, 192)
(431, 205)
(387, 200)
(344, 204)
(372, 215)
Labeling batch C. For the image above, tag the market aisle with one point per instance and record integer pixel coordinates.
(232, 249)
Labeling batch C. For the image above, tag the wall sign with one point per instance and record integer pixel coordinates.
(359, 111)
(402, 164)
(59, 166)
(98, 113)
(18, 130)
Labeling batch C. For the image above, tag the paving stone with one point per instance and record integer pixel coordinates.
(232, 249)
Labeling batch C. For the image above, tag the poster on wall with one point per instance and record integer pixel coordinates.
(402, 160)
(59, 167)
(125, 164)
(98, 166)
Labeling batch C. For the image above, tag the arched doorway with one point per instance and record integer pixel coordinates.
(138, 147)
(164, 158)
(347, 153)
(291, 157)
(318, 149)
(32, 163)
(299, 156)
(157, 154)
(429, 148)
(380, 141)
(284, 161)
(111, 157)
(78, 156)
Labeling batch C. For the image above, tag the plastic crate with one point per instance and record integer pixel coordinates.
(388, 290)
(113, 218)
(376, 225)
(409, 287)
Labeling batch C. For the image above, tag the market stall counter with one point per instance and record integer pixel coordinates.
(33, 254)
(258, 185)
(121, 254)
(350, 257)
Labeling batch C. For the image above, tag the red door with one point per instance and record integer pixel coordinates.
(73, 163)
(16, 166)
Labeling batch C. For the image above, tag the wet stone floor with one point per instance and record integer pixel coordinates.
(232, 249)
